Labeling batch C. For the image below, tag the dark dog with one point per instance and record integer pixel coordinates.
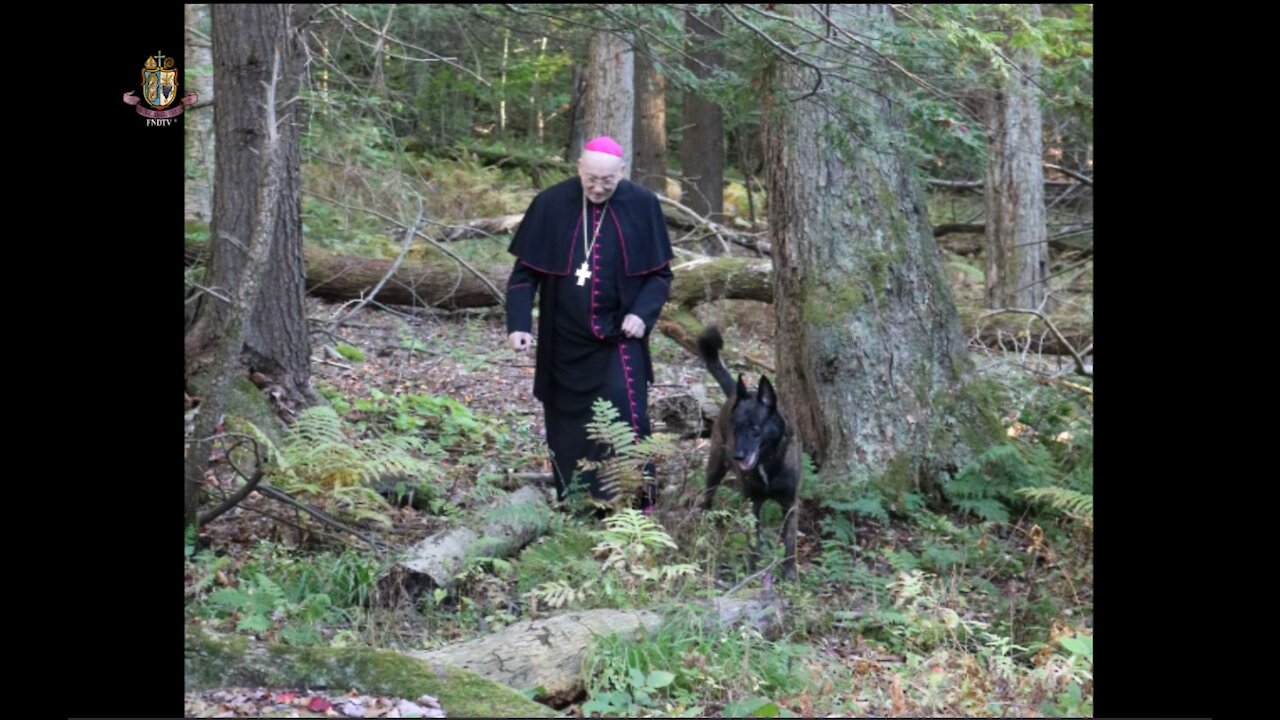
(753, 438)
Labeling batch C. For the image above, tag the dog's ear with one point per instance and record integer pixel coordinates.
(743, 393)
(766, 395)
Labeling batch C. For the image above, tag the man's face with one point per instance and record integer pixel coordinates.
(600, 173)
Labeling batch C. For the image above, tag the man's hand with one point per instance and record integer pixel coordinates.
(520, 341)
(632, 326)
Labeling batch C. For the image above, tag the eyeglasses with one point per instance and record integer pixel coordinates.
(605, 181)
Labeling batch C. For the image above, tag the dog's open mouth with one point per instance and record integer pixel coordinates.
(749, 461)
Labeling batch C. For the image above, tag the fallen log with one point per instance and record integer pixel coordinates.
(213, 660)
(547, 653)
(442, 283)
(499, 530)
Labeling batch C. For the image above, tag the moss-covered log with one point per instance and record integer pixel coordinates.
(213, 660)
(548, 653)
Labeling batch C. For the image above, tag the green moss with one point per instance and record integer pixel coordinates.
(247, 404)
(223, 661)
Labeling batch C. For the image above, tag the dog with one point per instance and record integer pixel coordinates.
(752, 437)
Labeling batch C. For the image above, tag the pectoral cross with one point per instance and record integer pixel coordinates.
(583, 273)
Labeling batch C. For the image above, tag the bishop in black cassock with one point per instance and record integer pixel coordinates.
(595, 250)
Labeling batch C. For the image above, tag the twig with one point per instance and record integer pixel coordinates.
(789, 53)
(753, 576)
(479, 275)
(1081, 368)
(327, 361)
(701, 220)
(249, 486)
(281, 496)
(1071, 173)
(391, 271)
(433, 56)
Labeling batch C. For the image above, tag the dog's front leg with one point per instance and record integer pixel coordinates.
(788, 538)
(717, 466)
(758, 548)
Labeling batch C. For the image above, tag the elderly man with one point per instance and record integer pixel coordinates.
(596, 251)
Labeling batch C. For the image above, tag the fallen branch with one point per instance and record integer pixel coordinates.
(703, 222)
(395, 265)
(1081, 367)
(283, 497)
(251, 481)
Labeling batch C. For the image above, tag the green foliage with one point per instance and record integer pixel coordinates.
(987, 485)
(692, 667)
(1071, 502)
(621, 473)
(350, 352)
(282, 593)
(318, 460)
(443, 422)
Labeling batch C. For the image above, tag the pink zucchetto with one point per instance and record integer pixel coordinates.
(604, 144)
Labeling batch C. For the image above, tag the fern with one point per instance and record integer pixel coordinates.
(631, 541)
(987, 485)
(317, 459)
(621, 473)
(558, 593)
(1071, 502)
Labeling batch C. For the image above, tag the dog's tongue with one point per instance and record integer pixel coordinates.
(749, 462)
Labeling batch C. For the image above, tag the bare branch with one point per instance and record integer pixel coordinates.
(251, 481)
(404, 250)
(1081, 368)
(433, 56)
(442, 248)
(699, 219)
(907, 73)
(281, 496)
(1071, 173)
(781, 48)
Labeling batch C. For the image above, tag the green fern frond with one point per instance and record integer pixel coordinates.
(1071, 502)
(620, 473)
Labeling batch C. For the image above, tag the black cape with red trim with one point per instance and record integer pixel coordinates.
(542, 241)
(545, 242)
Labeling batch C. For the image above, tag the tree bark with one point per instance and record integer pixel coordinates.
(276, 340)
(1017, 256)
(499, 531)
(610, 97)
(650, 126)
(872, 365)
(198, 78)
(702, 146)
(257, 41)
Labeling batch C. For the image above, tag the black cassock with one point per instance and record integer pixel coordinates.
(582, 354)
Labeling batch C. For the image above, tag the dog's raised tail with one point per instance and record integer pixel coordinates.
(709, 346)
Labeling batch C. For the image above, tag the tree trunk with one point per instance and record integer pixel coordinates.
(651, 126)
(702, 147)
(257, 41)
(577, 128)
(871, 360)
(1017, 255)
(198, 78)
(276, 340)
(609, 105)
